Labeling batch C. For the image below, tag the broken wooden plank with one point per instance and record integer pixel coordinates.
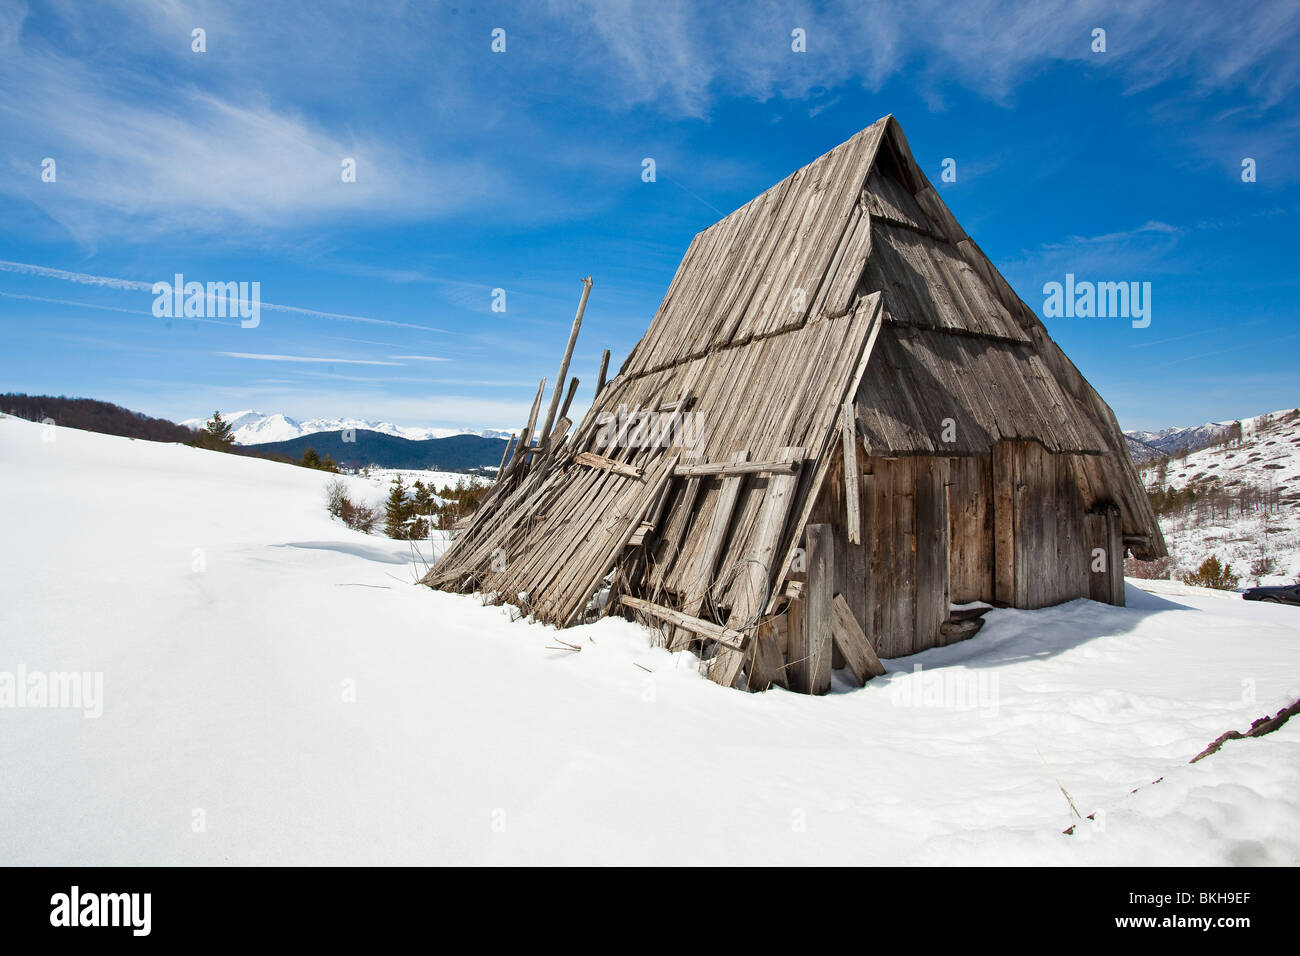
(604, 367)
(568, 398)
(592, 460)
(706, 629)
(852, 641)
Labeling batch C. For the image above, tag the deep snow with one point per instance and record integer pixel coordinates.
(223, 608)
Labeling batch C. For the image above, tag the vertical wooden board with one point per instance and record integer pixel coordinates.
(796, 647)
(1097, 536)
(1115, 557)
(1004, 563)
(931, 551)
(819, 607)
(905, 592)
(764, 661)
(852, 488)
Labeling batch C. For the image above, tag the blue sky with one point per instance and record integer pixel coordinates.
(522, 170)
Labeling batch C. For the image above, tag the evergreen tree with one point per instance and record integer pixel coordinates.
(309, 459)
(397, 509)
(215, 435)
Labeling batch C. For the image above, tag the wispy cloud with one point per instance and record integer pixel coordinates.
(134, 285)
(312, 359)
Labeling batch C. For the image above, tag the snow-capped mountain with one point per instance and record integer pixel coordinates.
(1148, 446)
(254, 428)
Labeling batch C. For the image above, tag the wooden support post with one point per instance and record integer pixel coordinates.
(604, 367)
(564, 363)
(819, 607)
(852, 487)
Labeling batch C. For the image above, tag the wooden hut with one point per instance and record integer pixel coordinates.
(841, 426)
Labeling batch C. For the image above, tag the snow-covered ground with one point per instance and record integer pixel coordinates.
(272, 692)
(1266, 459)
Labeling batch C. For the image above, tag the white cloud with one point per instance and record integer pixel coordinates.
(262, 357)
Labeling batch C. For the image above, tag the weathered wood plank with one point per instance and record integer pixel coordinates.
(849, 637)
(819, 607)
(706, 629)
(784, 466)
(852, 487)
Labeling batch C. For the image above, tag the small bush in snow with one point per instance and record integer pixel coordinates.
(1159, 569)
(1212, 574)
(341, 506)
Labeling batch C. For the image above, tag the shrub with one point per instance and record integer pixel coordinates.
(1159, 569)
(341, 506)
(1212, 574)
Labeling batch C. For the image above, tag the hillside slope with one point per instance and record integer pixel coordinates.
(357, 448)
(1239, 501)
(274, 693)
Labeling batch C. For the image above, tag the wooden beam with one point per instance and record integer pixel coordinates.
(592, 460)
(604, 367)
(783, 467)
(853, 644)
(545, 433)
(852, 486)
(706, 629)
(819, 607)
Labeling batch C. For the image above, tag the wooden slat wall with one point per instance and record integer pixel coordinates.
(970, 517)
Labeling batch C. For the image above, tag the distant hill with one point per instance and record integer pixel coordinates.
(90, 415)
(456, 453)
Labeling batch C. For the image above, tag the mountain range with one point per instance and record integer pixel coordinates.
(254, 428)
(1148, 446)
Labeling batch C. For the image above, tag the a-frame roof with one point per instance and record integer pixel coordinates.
(848, 281)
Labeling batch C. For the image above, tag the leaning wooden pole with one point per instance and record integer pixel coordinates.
(564, 364)
(505, 455)
(604, 367)
(526, 436)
